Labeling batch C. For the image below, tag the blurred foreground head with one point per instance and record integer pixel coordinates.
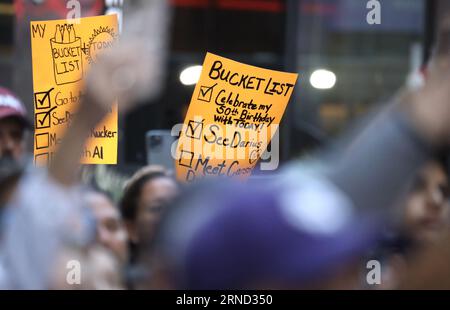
(260, 237)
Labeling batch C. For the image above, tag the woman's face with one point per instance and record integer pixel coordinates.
(427, 207)
(155, 195)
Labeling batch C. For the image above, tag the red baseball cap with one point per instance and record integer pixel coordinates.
(11, 106)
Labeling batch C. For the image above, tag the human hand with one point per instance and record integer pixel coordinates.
(121, 75)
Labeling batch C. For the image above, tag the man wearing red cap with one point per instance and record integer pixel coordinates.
(13, 126)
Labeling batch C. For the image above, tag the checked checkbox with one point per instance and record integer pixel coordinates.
(186, 159)
(194, 129)
(206, 93)
(42, 100)
(42, 141)
(43, 120)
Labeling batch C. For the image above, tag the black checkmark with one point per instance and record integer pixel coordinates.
(204, 90)
(45, 117)
(193, 127)
(47, 93)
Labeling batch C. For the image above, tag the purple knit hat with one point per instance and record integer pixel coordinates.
(261, 235)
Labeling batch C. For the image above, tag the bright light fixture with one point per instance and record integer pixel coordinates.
(323, 79)
(190, 75)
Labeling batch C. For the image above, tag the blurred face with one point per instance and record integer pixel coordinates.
(111, 232)
(427, 207)
(12, 142)
(155, 195)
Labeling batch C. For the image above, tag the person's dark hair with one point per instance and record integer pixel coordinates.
(133, 188)
(439, 159)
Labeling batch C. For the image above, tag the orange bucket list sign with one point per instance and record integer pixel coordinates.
(233, 115)
(62, 53)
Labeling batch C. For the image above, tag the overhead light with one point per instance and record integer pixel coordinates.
(323, 79)
(190, 75)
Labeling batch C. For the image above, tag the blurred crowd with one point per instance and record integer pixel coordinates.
(380, 194)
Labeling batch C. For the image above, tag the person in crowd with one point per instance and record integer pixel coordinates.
(145, 196)
(424, 221)
(264, 239)
(414, 251)
(111, 232)
(427, 208)
(45, 213)
(14, 126)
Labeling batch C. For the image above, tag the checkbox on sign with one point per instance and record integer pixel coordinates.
(194, 129)
(42, 141)
(42, 100)
(42, 160)
(205, 93)
(186, 159)
(42, 120)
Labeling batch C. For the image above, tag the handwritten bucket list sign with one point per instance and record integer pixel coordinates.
(62, 54)
(234, 113)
